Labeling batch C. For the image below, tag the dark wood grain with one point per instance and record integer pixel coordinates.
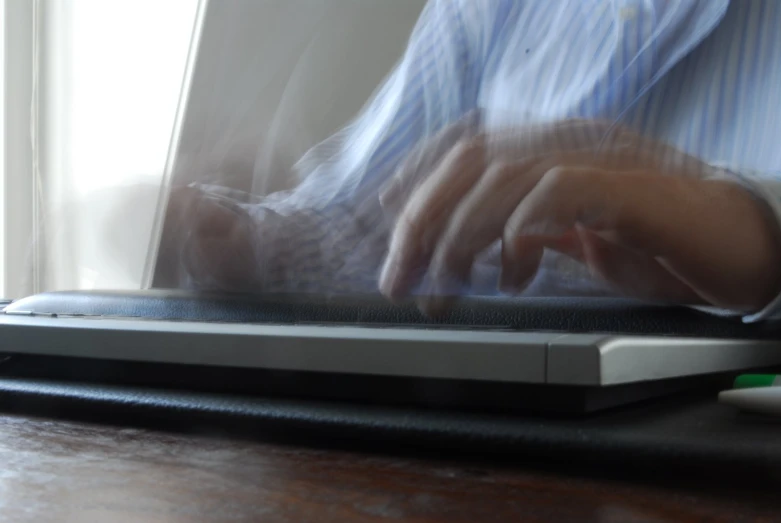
(62, 471)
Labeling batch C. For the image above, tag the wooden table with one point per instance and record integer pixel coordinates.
(76, 472)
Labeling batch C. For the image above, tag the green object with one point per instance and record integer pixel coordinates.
(750, 381)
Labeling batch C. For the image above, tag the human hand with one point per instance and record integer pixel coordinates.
(214, 237)
(648, 219)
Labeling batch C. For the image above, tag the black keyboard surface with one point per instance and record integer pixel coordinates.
(566, 315)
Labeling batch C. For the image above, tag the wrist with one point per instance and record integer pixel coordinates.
(759, 245)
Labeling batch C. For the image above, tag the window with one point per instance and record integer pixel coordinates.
(17, 187)
(92, 89)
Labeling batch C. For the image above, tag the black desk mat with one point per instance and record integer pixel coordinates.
(680, 434)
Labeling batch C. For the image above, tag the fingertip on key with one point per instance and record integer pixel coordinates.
(391, 280)
(519, 267)
(436, 306)
(513, 283)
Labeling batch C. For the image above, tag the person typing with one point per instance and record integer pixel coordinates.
(535, 148)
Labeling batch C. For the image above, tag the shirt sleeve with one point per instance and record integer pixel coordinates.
(328, 234)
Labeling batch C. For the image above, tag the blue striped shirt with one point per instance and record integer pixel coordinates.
(703, 75)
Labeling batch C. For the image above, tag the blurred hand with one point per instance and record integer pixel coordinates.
(648, 219)
(215, 238)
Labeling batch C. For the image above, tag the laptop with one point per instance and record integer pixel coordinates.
(555, 353)
(549, 354)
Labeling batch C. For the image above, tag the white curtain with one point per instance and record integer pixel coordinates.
(110, 77)
(3, 18)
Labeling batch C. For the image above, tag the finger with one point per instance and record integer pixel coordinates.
(641, 212)
(477, 222)
(632, 206)
(424, 159)
(426, 215)
(413, 241)
(633, 273)
(519, 271)
(629, 272)
(480, 218)
(563, 198)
